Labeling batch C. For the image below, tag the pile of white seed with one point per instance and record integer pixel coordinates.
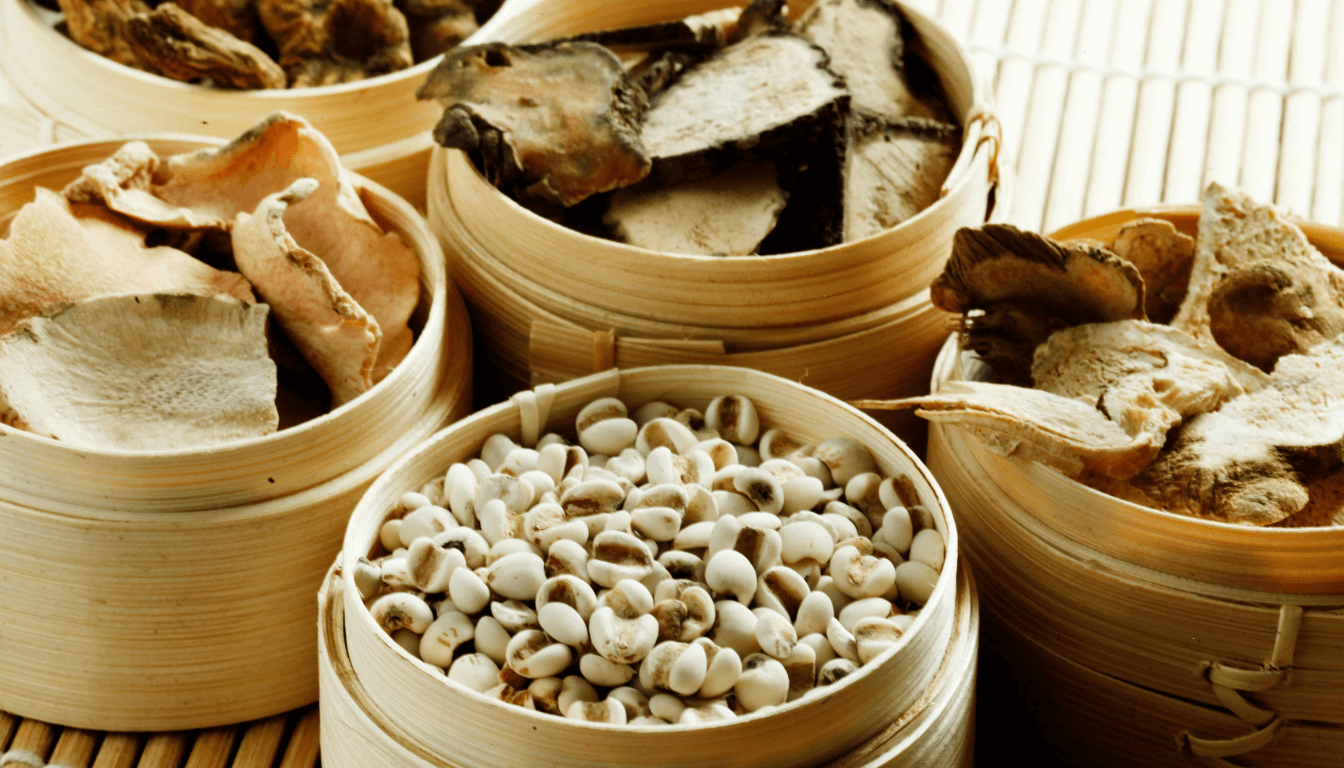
(670, 568)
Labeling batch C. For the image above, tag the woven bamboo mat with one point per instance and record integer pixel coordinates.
(1104, 104)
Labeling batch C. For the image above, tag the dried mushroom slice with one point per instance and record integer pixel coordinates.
(437, 25)
(1263, 311)
(100, 26)
(58, 252)
(332, 332)
(1251, 461)
(893, 170)
(1163, 257)
(704, 31)
(725, 215)
(141, 372)
(554, 124)
(237, 17)
(173, 43)
(325, 42)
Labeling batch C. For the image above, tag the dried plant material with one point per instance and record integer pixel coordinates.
(57, 252)
(1163, 257)
(1265, 310)
(725, 215)
(1325, 505)
(894, 170)
(100, 26)
(325, 42)
(704, 31)
(655, 72)
(237, 17)
(552, 123)
(141, 372)
(173, 43)
(1062, 433)
(863, 40)
(332, 332)
(1234, 232)
(437, 25)
(1250, 461)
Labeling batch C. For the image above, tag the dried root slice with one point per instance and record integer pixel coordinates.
(1163, 257)
(141, 372)
(553, 123)
(324, 42)
(100, 26)
(704, 31)
(893, 170)
(332, 332)
(176, 44)
(1067, 435)
(724, 215)
(1250, 461)
(237, 17)
(437, 25)
(1263, 311)
(57, 252)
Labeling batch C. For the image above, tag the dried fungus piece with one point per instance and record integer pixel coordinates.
(553, 123)
(141, 372)
(100, 26)
(59, 252)
(703, 31)
(725, 215)
(175, 44)
(1163, 257)
(237, 17)
(325, 42)
(893, 170)
(1265, 310)
(1251, 461)
(437, 25)
(332, 332)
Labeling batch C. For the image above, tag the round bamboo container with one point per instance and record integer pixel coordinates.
(438, 722)
(173, 590)
(1144, 637)
(377, 125)
(553, 303)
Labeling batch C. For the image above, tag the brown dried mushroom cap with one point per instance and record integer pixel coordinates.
(437, 25)
(100, 26)
(58, 252)
(557, 122)
(324, 42)
(1249, 462)
(1163, 257)
(1263, 311)
(176, 44)
(237, 17)
(142, 372)
(332, 332)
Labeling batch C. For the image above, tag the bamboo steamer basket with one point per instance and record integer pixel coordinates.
(141, 588)
(377, 125)
(1146, 637)
(439, 722)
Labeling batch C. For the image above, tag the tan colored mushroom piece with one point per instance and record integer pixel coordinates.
(325, 42)
(171, 42)
(1163, 257)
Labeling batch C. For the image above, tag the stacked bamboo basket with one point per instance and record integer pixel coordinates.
(174, 590)
(1139, 637)
(853, 320)
(912, 706)
(377, 125)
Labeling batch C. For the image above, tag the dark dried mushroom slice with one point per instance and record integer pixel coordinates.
(437, 25)
(504, 104)
(1266, 310)
(704, 31)
(175, 44)
(1163, 257)
(893, 170)
(323, 42)
(100, 26)
(237, 17)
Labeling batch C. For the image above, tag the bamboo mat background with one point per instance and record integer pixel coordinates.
(1104, 104)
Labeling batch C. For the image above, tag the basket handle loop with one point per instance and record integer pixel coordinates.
(1230, 747)
(21, 757)
(982, 127)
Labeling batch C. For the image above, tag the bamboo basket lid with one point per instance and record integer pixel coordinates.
(141, 589)
(440, 717)
(797, 289)
(376, 125)
(935, 731)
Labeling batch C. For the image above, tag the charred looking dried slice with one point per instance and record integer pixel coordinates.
(1163, 257)
(893, 170)
(503, 105)
(1266, 310)
(176, 44)
(100, 26)
(323, 42)
(703, 32)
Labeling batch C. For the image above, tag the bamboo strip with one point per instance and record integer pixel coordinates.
(1012, 88)
(261, 743)
(213, 748)
(1264, 114)
(164, 750)
(1302, 110)
(1156, 104)
(1082, 106)
(1328, 205)
(302, 748)
(1106, 179)
(1227, 123)
(8, 725)
(1188, 145)
(74, 749)
(32, 743)
(118, 750)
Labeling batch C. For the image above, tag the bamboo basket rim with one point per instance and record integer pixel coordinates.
(354, 547)
(435, 311)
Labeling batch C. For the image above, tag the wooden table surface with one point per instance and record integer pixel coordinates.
(1104, 104)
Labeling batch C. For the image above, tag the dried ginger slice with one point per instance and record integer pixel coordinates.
(173, 43)
(1250, 461)
(142, 372)
(332, 332)
(58, 252)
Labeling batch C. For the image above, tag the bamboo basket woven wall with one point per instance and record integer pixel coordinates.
(1143, 637)
(173, 590)
(377, 125)
(373, 683)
